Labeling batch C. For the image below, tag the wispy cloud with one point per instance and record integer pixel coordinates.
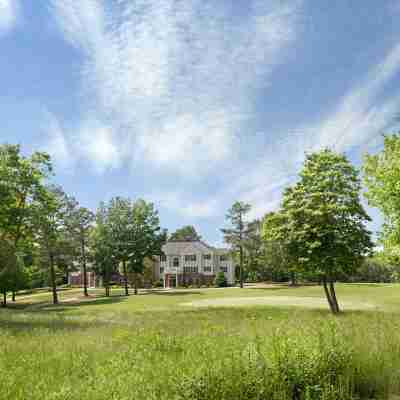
(56, 143)
(184, 205)
(355, 123)
(177, 79)
(9, 11)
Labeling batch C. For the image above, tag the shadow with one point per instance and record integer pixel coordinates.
(45, 306)
(174, 293)
(272, 288)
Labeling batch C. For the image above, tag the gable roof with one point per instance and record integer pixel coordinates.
(186, 247)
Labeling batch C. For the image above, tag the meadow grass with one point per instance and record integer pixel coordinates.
(151, 347)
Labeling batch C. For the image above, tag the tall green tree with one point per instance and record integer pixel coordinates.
(238, 233)
(147, 237)
(101, 249)
(22, 184)
(253, 249)
(50, 227)
(382, 179)
(325, 222)
(79, 222)
(120, 230)
(187, 232)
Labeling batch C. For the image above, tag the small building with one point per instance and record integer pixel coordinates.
(192, 263)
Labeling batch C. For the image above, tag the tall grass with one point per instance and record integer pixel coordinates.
(203, 355)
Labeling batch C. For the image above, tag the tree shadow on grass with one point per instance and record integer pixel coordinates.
(175, 293)
(45, 306)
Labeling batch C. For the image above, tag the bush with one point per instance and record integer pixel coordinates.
(220, 280)
(158, 284)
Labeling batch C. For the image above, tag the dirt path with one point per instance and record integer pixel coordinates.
(278, 301)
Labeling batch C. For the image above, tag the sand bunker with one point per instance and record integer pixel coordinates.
(279, 301)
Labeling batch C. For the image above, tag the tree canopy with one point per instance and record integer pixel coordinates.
(187, 232)
(322, 221)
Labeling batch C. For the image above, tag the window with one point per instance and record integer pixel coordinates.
(161, 270)
(207, 256)
(190, 269)
(223, 257)
(190, 257)
(224, 269)
(163, 257)
(175, 262)
(207, 269)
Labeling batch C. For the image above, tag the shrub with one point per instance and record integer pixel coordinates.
(220, 280)
(158, 284)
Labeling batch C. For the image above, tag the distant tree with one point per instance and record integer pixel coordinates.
(147, 237)
(22, 181)
(325, 221)
(8, 262)
(253, 250)
(382, 179)
(101, 249)
(79, 222)
(187, 232)
(238, 233)
(50, 226)
(120, 227)
(135, 233)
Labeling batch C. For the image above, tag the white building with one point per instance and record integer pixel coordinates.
(193, 262)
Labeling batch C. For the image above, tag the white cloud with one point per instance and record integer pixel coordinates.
(9, 10)
(57, 145)
(96, 143)
(184, 206)
(356, 122)
(178, 78)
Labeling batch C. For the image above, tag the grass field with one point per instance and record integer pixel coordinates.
(262, 342)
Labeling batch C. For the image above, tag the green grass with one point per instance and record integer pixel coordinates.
(151, 347)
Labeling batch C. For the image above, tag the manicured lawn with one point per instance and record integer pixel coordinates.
(163, 345)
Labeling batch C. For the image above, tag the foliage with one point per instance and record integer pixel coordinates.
(79, 223)
(238, 234)
(220, 280)
(382, 179)
(187, 232)
(322, 221)
(130, 232)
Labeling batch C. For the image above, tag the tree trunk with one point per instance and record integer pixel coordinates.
(125, 279)
(53, 280)
(107, 287)
(136, 285)
(4, 303)
(333, 296)
(241, 266)
(328, 295)
(13, 295)
(292, 279)
(85, 290)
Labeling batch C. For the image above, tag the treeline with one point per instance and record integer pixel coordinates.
(319, 233)
(45, 233)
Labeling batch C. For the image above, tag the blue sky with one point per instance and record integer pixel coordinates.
(194, 104)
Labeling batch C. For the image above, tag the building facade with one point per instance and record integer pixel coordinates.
(192, 263)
